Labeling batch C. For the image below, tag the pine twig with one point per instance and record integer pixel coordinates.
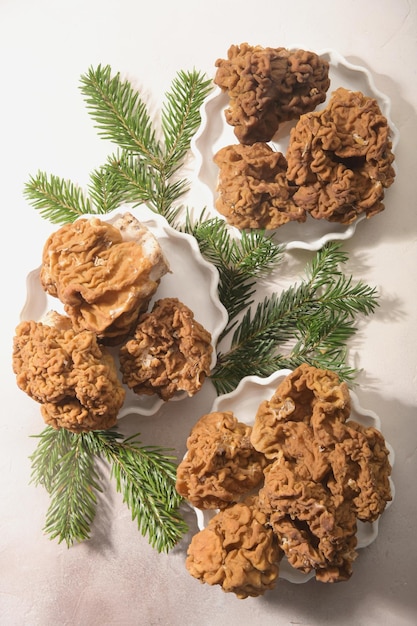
(120, 114)
(105, 190)
(240, 262)
(57, 200)
(146, 166)
(146, 477)
(308, 322)
(66, 465)
(181, 116)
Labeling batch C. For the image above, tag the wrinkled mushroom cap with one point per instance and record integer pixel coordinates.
(169, 352)
(237, 551)
(341, 158)
(67, 371)
(220, 463)
(267, 86)
(104, 274)
(253, 188)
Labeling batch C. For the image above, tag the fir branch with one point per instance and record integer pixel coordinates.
(309, 322)
(133, 177)
(240, 262)
(341, 294)
(58, 200)
(325, 276)
(275, 319)
(52, 446)
(181, 116)
(328, 261)
(120, 114)
(66, 465)
(325, 332)
(180, 120)
(322, 341)
(143, 170)
(257, 338)
(105, 190)
(146, 165)
(138, 184)
(166, 193)
(146, 477)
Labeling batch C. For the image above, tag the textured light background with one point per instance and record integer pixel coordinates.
(116, 578)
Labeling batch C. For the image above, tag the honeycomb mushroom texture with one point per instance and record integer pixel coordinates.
(267, 86)
(73, 378)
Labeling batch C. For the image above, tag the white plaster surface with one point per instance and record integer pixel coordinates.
(117, 578)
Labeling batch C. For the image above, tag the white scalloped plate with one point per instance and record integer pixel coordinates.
(244, 402)
(188, 267)
(214, 133)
